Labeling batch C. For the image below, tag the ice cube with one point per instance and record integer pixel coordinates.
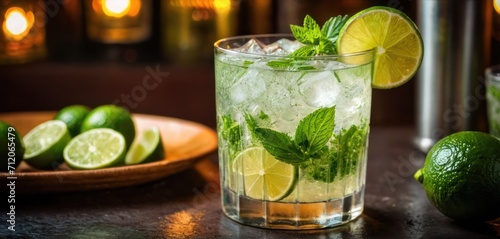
(282, 47)
(248, 87)
(319, 89)
(252, 46)
(355, 96)
(275, 49)
(289, 45)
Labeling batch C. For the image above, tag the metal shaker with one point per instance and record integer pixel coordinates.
(456, 47)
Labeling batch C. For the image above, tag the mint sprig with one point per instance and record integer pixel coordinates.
(318, 41)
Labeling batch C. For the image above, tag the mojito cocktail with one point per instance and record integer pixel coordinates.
(292, 140)
(293, 115)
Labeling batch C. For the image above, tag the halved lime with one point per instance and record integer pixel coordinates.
(96, 148)
(265, 177)
(112, 117)
(147, 148)
(45, 144)
(399, 46)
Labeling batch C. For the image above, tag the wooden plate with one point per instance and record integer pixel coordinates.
(184, 141)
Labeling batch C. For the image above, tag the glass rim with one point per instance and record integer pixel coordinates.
(490, 76)
(277, 35)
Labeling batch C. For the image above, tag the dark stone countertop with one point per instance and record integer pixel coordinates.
(187, 205)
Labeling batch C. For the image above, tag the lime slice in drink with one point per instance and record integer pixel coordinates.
(147, 148)
(265, 177)
(398, 44)
(45, 144)
(96, 148)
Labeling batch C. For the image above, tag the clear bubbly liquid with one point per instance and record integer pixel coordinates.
(493, 99)
(285, 97)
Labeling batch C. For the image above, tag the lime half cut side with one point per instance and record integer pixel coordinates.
(96, 148)
(395, 38)
(147, 148)
(265, 177)
(45, 144)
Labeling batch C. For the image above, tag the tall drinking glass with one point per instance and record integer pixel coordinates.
(493, 99)
(293, 132)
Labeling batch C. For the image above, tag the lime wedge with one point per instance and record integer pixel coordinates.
(45, 144)
(265, 177)
(96, 148)
(147, 148)
(398, 44)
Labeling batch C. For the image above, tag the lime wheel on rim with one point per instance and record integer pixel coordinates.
(395, 38)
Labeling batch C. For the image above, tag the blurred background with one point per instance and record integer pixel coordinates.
(156, 56)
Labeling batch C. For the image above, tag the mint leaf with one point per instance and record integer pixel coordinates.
(247, 63)
(263, 116)
(311, 25)
(331, 28)
(307, 50)
(301, 34)
(326, 47)
(251, 122)
(290, 64)
(309, 34)
(282, 64)
(314, 131)
(231, 133)
(280, 145)
(352, 145)
(322, 169)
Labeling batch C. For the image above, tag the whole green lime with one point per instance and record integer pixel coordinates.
(11, 147)
(112, 117)
(73, 116)
(461, 176)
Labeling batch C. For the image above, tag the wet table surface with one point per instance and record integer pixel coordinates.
(187, 205)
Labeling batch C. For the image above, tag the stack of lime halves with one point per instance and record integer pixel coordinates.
(91, 139)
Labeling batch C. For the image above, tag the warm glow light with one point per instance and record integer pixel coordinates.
(222, 5)
(116, 8)
(17, 23)
(496, 4)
